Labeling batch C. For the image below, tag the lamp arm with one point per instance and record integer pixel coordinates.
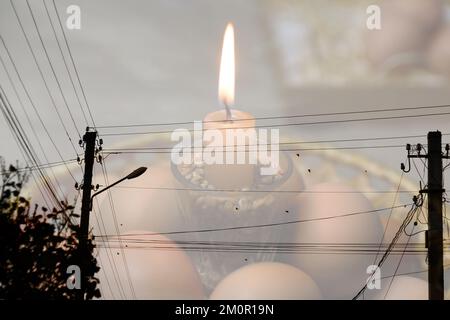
(104, 189)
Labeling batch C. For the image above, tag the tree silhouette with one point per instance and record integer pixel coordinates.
(37, 245)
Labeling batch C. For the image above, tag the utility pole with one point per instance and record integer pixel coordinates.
(434, 234)
(89, 139)
(435, 190)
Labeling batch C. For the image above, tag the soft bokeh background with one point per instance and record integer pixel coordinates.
(158, 61)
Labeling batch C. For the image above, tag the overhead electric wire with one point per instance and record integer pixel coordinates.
(34, 106)
(391, 246)
(30, 123)
(42, 75)
(241, 246)
(285, 143)
(246, 246)
(98, 256)
(266, 191)
(24, 143)
(389, 217)
(99, 218)
(369, 252)
(398, 264)
(49, 165)
(65, 62)
(100, 262)
(26, 158)
(418, 172)
(422, 213)
(289, 124)
(116, 226)
(263, 225)
(446, 166)
(73, 63)
(110, 257)
(279, 117)
(52, 68)
(147, 239)
(412, 272)
(125, 151)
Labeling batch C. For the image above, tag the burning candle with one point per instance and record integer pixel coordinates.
(229, 175)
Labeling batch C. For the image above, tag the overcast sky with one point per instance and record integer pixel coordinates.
(147, 61)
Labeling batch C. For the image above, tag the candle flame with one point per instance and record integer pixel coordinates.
(227, 68)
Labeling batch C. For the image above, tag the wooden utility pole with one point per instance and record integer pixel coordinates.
(434, 189)
(89, 139)
(435, 234)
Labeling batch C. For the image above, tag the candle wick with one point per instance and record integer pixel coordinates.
(228, 111)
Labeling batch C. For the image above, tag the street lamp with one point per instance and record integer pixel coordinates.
(136, 173)
(86, 208)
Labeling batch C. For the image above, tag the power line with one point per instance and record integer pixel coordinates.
(419, 252)
(52, 68)
(389, 217)
(109, 254)
(241, 246)
(292, 142)
(391, 246)
(30, 123)
(418, 172)
(398, 264)
(73, 63)
(48, 165)
(412, 272)
(33, 105)
(42, 75)
(51, 164)
(130, 151)
(110, 257)
(277, 117)
(138, 150)
(245, 246)
(27, 161)
(65, 62)
(24, 143)
(134, 238)
(266, 191)
(98, 255)
(263, 225)
(291, 124)
(116, 225)
(100, 262)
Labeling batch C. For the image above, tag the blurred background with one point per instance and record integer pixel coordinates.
(158, 61)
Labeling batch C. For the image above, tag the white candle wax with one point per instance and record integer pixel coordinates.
(230, 176)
